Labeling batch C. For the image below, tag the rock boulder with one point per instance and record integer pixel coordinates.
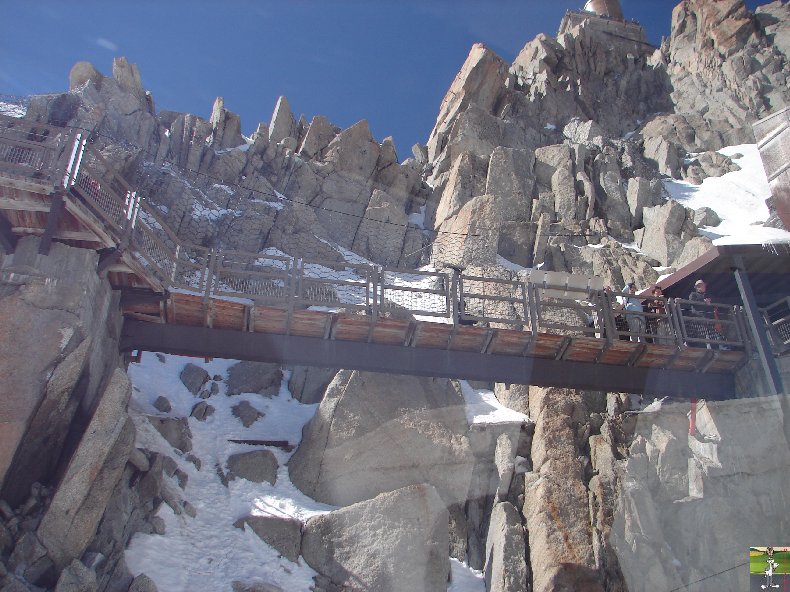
(395, 542)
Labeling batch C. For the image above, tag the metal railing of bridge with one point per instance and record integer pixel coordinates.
(62, 158)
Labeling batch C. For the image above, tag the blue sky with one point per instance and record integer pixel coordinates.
(389, 62)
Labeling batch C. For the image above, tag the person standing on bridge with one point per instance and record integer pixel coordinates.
(632, 309)
(699, 298)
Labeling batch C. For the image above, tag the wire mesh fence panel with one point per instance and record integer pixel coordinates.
(493, 300)
(777, 318)
(27, 159)
(656, 322)
(184, 265)
(330, 284)
(423, 293)
(190, 269)
(709, 324)
(264, 279)
(102, 197)
(153, 253)
(569, 311)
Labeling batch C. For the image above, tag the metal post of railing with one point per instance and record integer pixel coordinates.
(675, 326)
(525, 302)
(67, 175)
(769, 325)
(175, 263)
(534, 307)
(681, 322)
(75, 162)
(210, 274)
(454, 295)
(294, 289)
(610, 325)
(373, 288)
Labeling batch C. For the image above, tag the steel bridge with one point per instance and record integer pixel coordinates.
(547, 329)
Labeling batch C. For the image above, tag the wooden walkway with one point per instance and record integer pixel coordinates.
(181, 298)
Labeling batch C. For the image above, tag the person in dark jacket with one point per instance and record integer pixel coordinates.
(658, 325)
(699, 298)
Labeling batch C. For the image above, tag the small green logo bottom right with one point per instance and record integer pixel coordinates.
(769, 568)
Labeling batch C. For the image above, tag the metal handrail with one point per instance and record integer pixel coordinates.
(475, 306)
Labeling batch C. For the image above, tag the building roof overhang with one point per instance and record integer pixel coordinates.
(767, 266)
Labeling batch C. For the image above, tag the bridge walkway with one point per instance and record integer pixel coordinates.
(177, 297)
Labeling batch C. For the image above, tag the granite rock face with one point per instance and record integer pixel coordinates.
(727, 68)
(396, 541)
(399, 433)
(57, 345)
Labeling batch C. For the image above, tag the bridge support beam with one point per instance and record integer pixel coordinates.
(772, 376)
(394, 359)
(53, 219)
(8, 239)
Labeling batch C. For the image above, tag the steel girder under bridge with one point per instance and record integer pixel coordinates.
(420, 361)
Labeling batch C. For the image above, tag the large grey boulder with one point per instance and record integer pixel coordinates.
(82, 72)
(511, 180)
(254, 377)
(471, 237)
(193, 377)
(175, 430)
(31, 561)
(581, 132)
(479, 83)
(246, 413)
(506, 566)
(319, 134)
(227, 127)
(395, 542)
(666, 231)
(284, 534)
(382, 228)
(143, 583)
(308, 384)
(76, 578)
(353, 152)
(550, 158)
(466, 180)
(706, 217)
(128, 77)
(643, 193)
(398, 430)
(256, 466)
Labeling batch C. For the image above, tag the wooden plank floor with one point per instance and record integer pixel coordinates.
(194, 310)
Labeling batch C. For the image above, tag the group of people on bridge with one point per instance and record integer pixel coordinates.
(654, 327)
